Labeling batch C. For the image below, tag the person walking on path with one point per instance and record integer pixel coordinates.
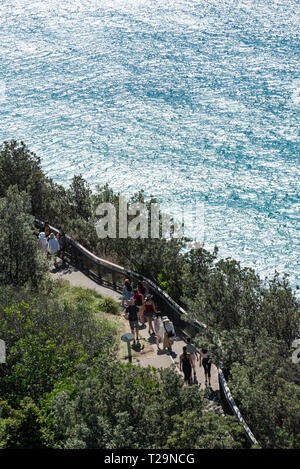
(131, 315)
(186, 366)
(139, 301)
(206, 363)
(149, 311)
(42, 242)
(169, 334)
(127, 292)
(53, 247)
(159, 328)
(191, 349)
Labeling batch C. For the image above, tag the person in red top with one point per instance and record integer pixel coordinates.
(149, 310)
(138, 299)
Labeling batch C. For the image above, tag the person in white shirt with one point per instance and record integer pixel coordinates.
(53, 247)
(159, 328)
(42, 242)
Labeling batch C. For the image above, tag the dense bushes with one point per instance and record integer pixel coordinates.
(256, 323)
(63, 387)
(45, 339)
(125, 406)
(20, 260)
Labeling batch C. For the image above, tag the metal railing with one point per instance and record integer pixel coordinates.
(112, 275)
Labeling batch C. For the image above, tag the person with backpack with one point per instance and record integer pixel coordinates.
(141, 288)
(186, 366)
(139, 301)
(206, 363)
(169, 334)
(131, 314)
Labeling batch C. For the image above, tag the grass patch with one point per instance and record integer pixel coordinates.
(105, 309)
(88, 298)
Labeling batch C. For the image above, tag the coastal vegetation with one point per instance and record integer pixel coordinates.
(63, 379)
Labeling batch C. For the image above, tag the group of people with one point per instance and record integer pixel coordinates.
(140, 308)
(188, 362)
(50, 244)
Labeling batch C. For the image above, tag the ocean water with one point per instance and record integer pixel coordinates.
(193, 101)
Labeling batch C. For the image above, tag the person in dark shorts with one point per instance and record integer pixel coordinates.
(131, 314)
(186, 366)
(206, 363)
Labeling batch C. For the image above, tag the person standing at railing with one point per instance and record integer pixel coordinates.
(127, 292)
(206, 363)
(141, 288)
(146, 287)
(61, 238)
(42, 242)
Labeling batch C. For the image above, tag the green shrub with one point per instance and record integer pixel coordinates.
(110, 306)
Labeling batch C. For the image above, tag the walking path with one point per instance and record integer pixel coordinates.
(148, 355)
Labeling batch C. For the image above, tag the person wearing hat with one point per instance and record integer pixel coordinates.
(169, 334)
(42, 242)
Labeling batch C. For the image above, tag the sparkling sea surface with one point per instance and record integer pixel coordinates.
(193, 101)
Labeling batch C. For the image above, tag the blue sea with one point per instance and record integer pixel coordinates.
(192, 101)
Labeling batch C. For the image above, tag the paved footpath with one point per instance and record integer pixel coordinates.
(148, 355)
